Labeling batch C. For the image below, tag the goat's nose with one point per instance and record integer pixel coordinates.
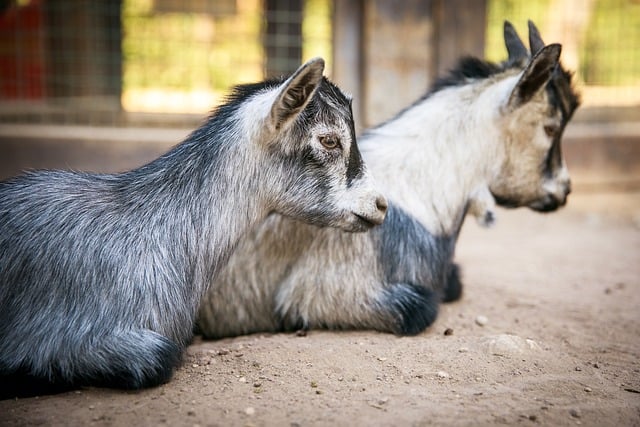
(381, 204)
(381, 211)
(567, 187)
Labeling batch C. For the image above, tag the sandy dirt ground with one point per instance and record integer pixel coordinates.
(559, 345)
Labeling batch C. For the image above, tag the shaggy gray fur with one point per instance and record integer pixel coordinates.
(101, 275)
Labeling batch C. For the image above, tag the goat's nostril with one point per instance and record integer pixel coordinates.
(381, 204)
(567, 187)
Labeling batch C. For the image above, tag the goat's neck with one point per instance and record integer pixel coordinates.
(205, 204)
(437, 154)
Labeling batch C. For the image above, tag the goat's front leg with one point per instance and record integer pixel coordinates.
(482, 206)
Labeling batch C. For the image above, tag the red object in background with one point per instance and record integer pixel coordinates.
(22, 64)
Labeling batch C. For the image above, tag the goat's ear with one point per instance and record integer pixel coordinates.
(534, 78)
(295, 92)
(535, 41)
(518, 53)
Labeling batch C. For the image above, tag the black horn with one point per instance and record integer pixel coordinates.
(518, 53)
(535, 41)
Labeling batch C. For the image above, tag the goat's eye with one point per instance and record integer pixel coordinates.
(330, 142)
(550, 130)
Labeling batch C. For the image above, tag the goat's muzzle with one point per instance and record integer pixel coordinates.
(373, 218)
(549, 202)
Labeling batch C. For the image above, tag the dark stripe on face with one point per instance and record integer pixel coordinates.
(355, 167)
(567, 99)
(553, 161)
(562, 99)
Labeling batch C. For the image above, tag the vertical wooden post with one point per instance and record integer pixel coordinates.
(459, 30)
(397, 40)
(387, 52)
(347, 53)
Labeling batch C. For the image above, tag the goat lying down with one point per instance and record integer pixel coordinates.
(485, 134)
(101, 275)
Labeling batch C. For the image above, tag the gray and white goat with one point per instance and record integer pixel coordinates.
(485, 134)
(101, 275)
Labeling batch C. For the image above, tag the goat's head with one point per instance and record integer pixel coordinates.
(534, 116)
(308, 133)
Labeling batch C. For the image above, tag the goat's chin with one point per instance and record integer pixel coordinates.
(507, 202)
(355, 223)
(548, 203)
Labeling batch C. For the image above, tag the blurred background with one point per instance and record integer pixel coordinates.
(107, 85)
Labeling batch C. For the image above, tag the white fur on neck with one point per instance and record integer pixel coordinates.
(434, 157)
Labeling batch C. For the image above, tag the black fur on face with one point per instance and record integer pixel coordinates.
(331, 101)
(564, 99)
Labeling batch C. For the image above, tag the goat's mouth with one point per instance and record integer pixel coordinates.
(374, 217)
(356, 223)
(364, 223)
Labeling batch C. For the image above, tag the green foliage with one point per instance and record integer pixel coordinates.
(191, 51)
(316, 30)
(611, 52)
(187, 51)
(515, 11)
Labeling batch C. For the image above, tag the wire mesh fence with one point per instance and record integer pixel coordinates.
(168, 62)
(114, 62)
(600, 42)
